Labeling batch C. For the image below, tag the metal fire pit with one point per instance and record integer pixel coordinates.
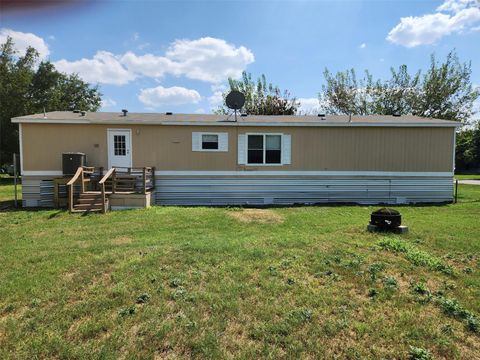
(386, 219)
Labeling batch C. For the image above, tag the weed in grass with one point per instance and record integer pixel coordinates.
(417, 353)
(179, 293)
(372, 292)
(447, 329)
(419, 288)
(415, 256)
(422, 293)
(355, 263)
(35, 302)
(142, 299)
(130, 310)
(448, 285)
(176, 282)
(332, 276)
(390, 284)
(300, 316)
(375, 269)
(290, 281)
(453, 308)
(468, 270)
(272, 271)
(473, 323)
(8, 308)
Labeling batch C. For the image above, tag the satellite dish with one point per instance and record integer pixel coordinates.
(235, 100)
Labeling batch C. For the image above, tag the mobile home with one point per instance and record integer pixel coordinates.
(254, 160)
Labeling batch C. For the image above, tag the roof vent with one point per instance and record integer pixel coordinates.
(76, 111)
(168, 113)
(396, 114)
(244, 114)
(83, 113)
(322, 115)
(125, 111)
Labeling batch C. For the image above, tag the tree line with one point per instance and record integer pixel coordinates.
(443, 91)
(29, 86)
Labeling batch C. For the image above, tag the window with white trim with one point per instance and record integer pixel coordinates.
(264, 149)
(206, 141)
(209, 141)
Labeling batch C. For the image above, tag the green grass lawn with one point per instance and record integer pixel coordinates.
(302, 282)
(468, 177)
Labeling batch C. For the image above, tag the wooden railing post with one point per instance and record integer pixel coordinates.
(153, 178)
(109, 173)
(114, 180)
(144, 180)
(104, 205)
(70, 194)
(70, 186)
(83, 182)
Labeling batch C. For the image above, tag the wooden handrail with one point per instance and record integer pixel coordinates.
(106, 176)
(109, 173)
(78, 174)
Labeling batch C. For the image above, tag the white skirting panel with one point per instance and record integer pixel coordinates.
(242, 190)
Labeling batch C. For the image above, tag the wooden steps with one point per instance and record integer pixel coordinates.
(89, 202)
(119, 181)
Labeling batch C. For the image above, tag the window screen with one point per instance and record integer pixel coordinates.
(209, 142)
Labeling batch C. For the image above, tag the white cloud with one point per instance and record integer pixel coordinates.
(175, 95)
(428, 29)
(24, 40)
(457, 5)
(206, 59)
(363, 46)
(148, 65)
(107, 102)
(104, 68)
(209, 59)
(216, 99)
(309, 106)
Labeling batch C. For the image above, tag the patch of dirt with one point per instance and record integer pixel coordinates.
(122, 240)
(258, 216)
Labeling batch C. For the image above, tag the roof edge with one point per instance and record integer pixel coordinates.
(324, 123)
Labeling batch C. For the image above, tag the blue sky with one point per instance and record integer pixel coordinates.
(176, 56)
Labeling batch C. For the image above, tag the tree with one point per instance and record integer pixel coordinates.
(467, 151)
(261, 98)
(445, 92)
(27, 86)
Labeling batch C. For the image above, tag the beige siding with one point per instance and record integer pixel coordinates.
(320, 149)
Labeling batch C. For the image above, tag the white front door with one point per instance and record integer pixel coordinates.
(119, 148)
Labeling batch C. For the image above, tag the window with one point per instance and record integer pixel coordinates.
(119, 145)
(264, 149)
(209, 142)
